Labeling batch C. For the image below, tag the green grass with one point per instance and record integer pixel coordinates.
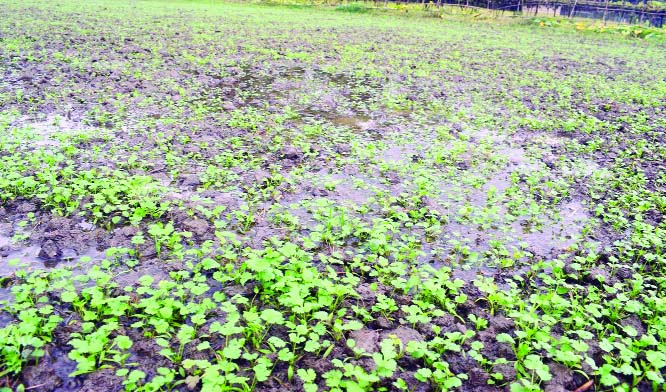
(324, 198)
(353, 8)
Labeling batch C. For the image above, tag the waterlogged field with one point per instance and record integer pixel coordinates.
(202, 196)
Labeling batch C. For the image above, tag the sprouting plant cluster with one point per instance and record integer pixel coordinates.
(451, 206)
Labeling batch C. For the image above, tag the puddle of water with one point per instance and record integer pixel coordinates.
(45, 132)
(51, 126)
(5, 241)
(24, 258)
(555, 235)
(487, 134)
(582, 168)
(5, 318)
(515, 156)
(28, 259)
(471, 274)
(456, 196)
(399, 154)
(548, 139)
(129, 278)
(501, 182)
(346, 193)
(358, 122)
(347, 190)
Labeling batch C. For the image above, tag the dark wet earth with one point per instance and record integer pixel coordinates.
(443, 182)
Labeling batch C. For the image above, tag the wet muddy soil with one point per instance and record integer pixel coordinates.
(443, 185)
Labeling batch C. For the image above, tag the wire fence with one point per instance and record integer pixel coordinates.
(630, 12)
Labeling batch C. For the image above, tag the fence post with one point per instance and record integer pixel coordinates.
(605, 12)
